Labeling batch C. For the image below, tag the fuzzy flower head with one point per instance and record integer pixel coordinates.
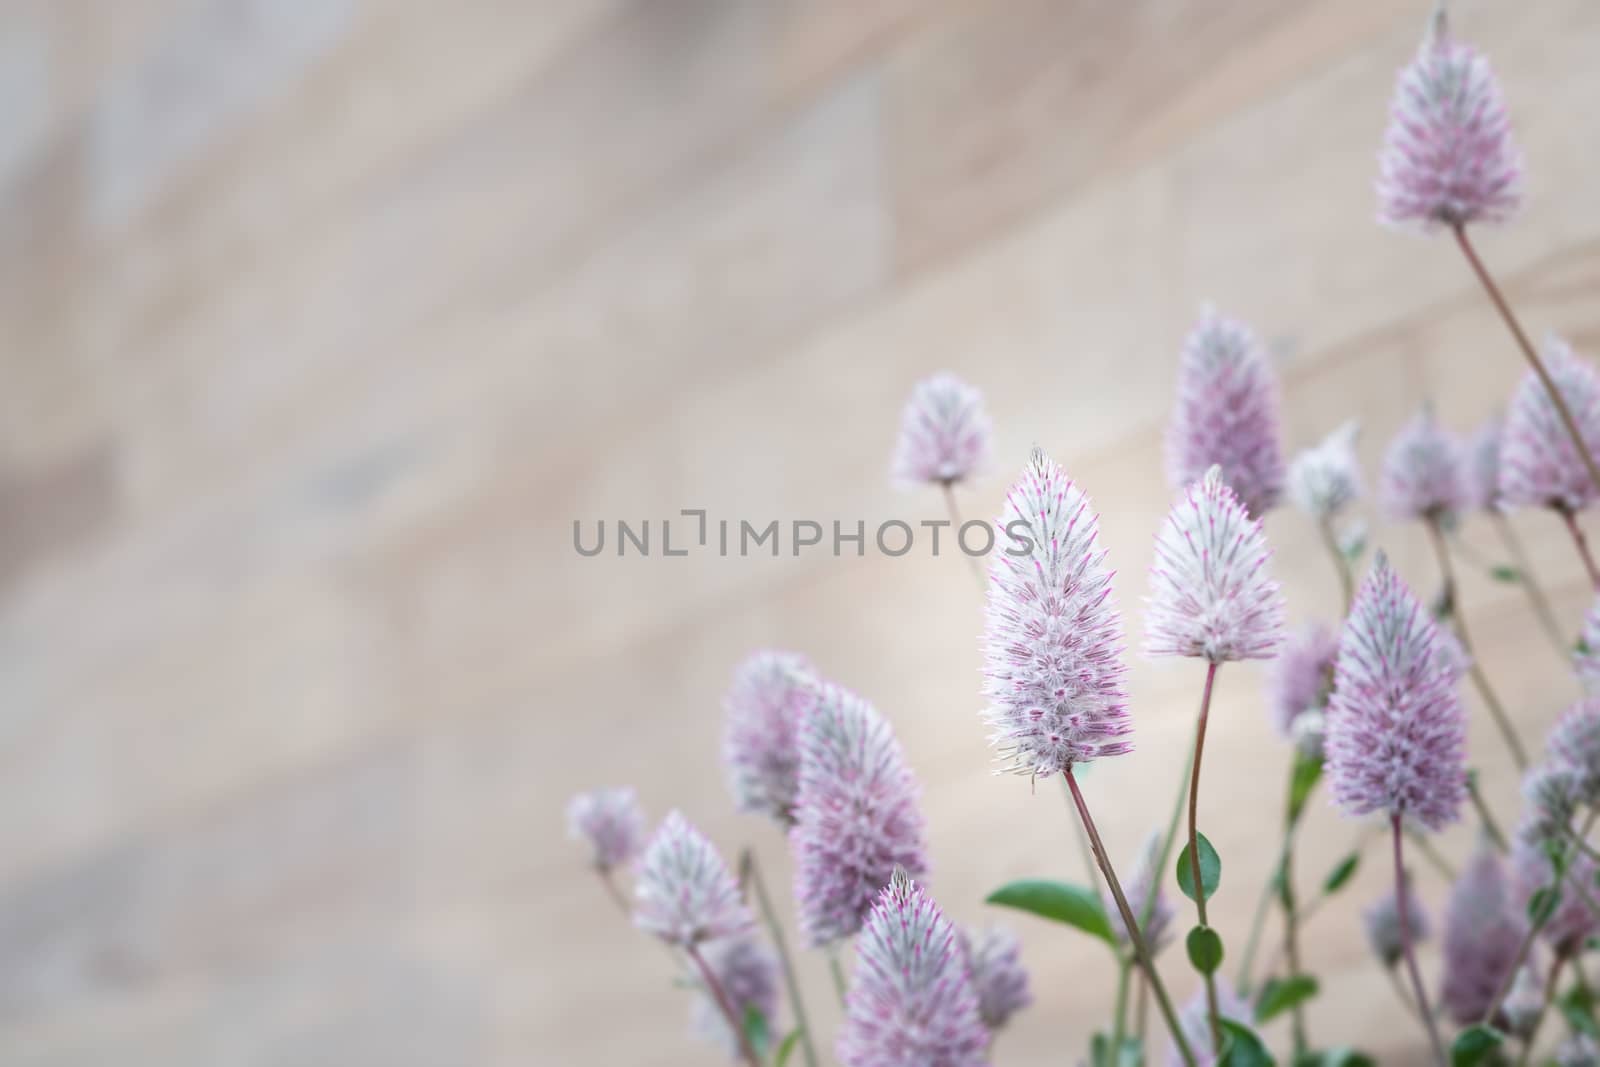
(1424, 474)
(1483, 929)
(1578, 1050)
(1194, 1017)
(1574, 920)
(1587, 659)
(761, 740)
(1326, 478)
(1300, 684)
(1539, 466)
(911, 1003)
(611, 821)
(1549, 802)
(683, 891)
(748, 973)
(1483, 467)
(1153, 914)
(1227, 414)
(856, 819)
(1447, 157)
(1053, 671)
(1574, 742)
(1396, 738)
(1524, 1002)
(995, 962)
(944, 434)
(1382, 922)
(1210, 596)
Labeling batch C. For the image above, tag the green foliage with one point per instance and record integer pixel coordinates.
(1543, 904)
(1302, 780)
(1475, 1045)
(1205, 949)
(1281, 994)
(786, 1049)
(1241, 1047)
(755, 1030)
(1210, 869)
(1577, 1007)
(1342, 872)
(1503, 573)
(1132, 1055)
(1059, 902)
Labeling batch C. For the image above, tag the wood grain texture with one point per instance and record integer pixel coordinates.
(322, 324)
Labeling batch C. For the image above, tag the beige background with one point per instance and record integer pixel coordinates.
(322, 321)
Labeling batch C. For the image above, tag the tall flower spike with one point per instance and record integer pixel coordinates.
(1197, 1026)
(1575, 919)
(1227, 414)
(1157, 926)
(761, 739)
(1539, 467)
(1549, 802)
(1483, 466)
(1210, 596)
(748, 974)
(1396, 732)
(611, 821)
(1587, 659)
(1326, 478)
(995, 962)
(1424, 474)
(856, 819)
(1575, 743)
(1447, 158)
(911, 1003)
(1300, 684)
(683, 891)
(1524, 1002)
(1382, 922)
(1053, 671)
(944, 434)
(1483, 929)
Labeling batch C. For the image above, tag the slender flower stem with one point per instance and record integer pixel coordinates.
(955, 532)
(1530, 584)
(1083, 842)
(1135, 935)
(1141, 1011)
(1119, 1025)
(1291, 940)
(1528, 351)
(720, 995)
(1410, 950)
(1194, 850)
(836, 969)
(1497, 711)
(1400, 991)
(1485, 816)
(1582, 541)
(752, 871)
(1549, 995)
(1431, 854)
(1149, 906)
(1341, 563)
(614, 893)
(1257, 922)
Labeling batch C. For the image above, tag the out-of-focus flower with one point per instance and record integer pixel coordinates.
(1396, 738)
(1447, 157)
(1578, 1050)
(761, 739)
(1299, 685)
(1195, 1019)
(1227, 414)
(748, 973)
(1053, 671)
(1326, 478)
(1424, 475)
(1587, 658)
(1483, 928)
(611, 821)
(1574, 920)
(1156, 926)
(1539, 465)
(684, 893)
(995, 961)
(911, 1003)
(857, 817)
(1483, 466)
(944, 434)
(1549, 801)
(1210, 596)
(1575, 743)
(1523, 1004)
(1382, 921)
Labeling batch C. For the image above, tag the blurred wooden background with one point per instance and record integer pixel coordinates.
(323, 320)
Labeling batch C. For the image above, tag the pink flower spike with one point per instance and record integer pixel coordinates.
(1424, 472)
(1448, 157)
(994, 960)
(761, 741)
(747, 971)
(1299, 685)
(1483, 467)
(1483, 929)
(683, 891)
(1326, 478)
(1053, 671)
(1210, 597)
(1382, 922)
(1574, 743)
(1539, 467)
(611, 821)
(856, 819)
(911, 1001)
(1396, 740)
(1227, 414)
(944, 434)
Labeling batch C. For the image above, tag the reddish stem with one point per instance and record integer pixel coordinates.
(720, 995)
(1410, 950)
(1214, 1014)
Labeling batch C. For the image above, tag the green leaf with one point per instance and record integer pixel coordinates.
(1279, 995)
(1210, 869)
(1205, 949)
(1341, 873)
(1353, 545)
(1302, 780)
(755, 1029)
(1577, 1006)
(1502, 573)
(1343, 1056)
(1474, 1045)
(1543, 904)
(786, 1049)
(1059, 902)
(1241, 1047)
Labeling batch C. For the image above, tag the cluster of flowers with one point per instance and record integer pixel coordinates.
(1373, 704)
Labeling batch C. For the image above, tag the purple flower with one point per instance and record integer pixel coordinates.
(1156, 926)
(1587, 658)
(1574, 920)
(1382, 921)
(1578, 1050)
(1539, 467)
(1053, 670)
(1447, 156)
(611, 821)
(1300, 684)
(1483, 928)
(998, 977)
(1549, 801)
(761, 742)
(1326, 478)
(856, 819)
(911, 1003)
(1424, 474)
(1195, 1019)
(1227, 414)
(1524, 1002)
(683, 891)
(1210, 596)
(1396, 732)
(944, 434)
(747, 971)
(1575, 743)
(1483, 467)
